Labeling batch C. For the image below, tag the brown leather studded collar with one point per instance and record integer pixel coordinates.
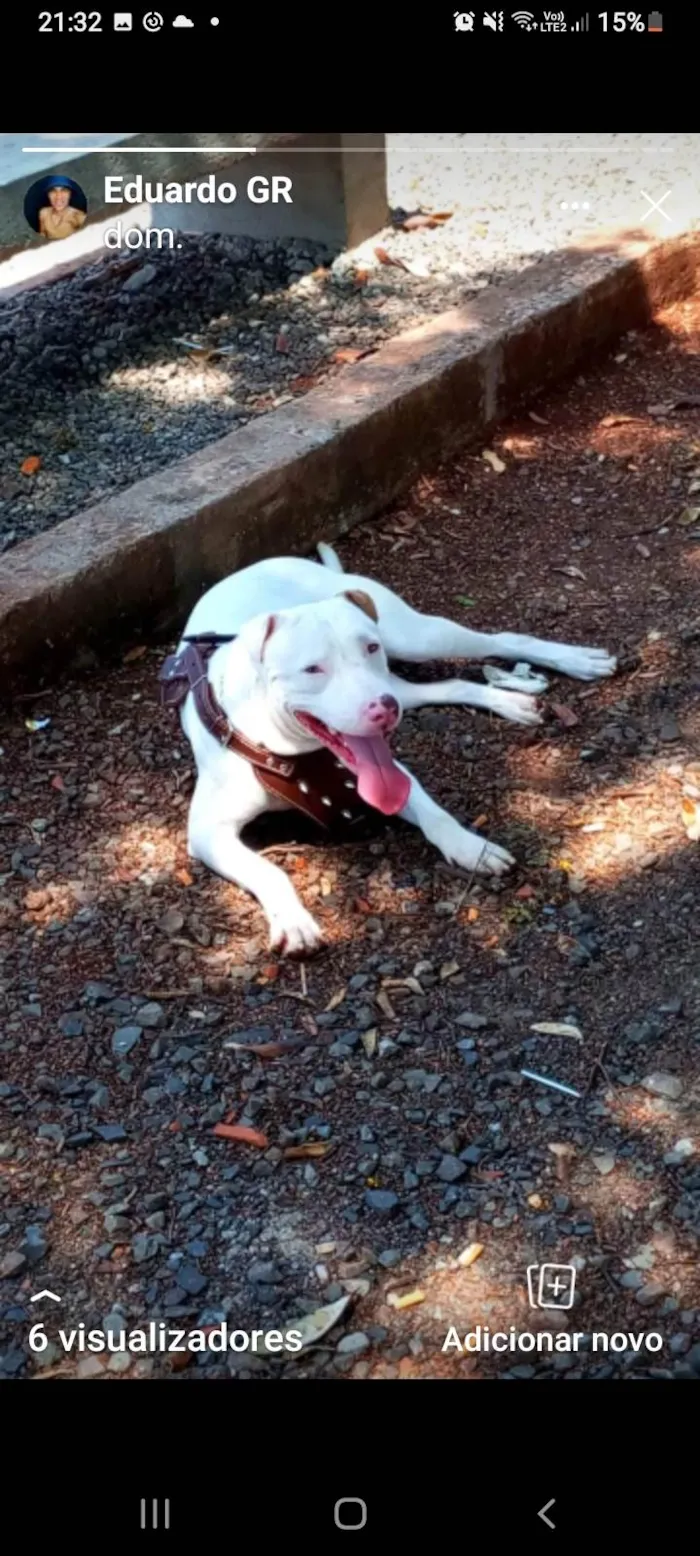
(315, 782)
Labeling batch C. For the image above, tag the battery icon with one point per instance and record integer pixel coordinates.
(656, 22)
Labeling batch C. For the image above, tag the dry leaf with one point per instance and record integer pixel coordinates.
(369, 1042)
(440, 216)
(448, 970)
(314, 1326)
(385, 1005)
(243, 1133)
(541, 420)
(689, 516)
(311, 1148)
(31, 465)
(386, 259)
(350, 354)
(337, 998)
(470, 1255)
(618, 421)
(361, 277)
(134, 653)
(494, 461)
(691, 818)
(410, 1299)
(565, 715)
(57, 783)
(416, 223)
(557, 1029)
(571, 571)
(268, 1050)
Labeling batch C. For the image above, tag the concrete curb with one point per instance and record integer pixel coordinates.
(315, 468)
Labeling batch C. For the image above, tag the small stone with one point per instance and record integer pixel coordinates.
(98, 993)
(473, 1022)
(12, 1264)
(191, 1280)
(353, 1344)
(451, 1169)
(110, 1131)
(120, 1361)
(604, 1163)
(382, 1201)
(682, 1151)
(124, 1039)
(115, 1222)
(669, 728)
(140, 279)
(90, 1367)
(71, 1026)
(647, 1295)
(34, 1245)
(660, 1084)
(150, 1015)
(144, 1248)
(264, 1272)
(172, 922)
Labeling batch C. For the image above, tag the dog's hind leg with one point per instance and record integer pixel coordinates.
(408, 635)
(455, 842)
(214, 838)
(517, 706)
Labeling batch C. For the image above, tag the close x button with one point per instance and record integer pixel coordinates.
(350, 1513)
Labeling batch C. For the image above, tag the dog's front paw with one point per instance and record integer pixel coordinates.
(471, 852)
(295, 933)
(519, 707)
(585, 664)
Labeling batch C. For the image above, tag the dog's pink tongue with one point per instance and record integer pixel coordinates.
(379, 781)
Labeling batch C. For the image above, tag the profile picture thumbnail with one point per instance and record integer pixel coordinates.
(55, 206)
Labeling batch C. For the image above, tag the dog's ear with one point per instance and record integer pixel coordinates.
(364, 602)
(256, 635)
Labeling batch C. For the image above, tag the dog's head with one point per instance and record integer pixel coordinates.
(325, 677)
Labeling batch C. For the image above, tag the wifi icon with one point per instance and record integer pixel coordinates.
(524, 19)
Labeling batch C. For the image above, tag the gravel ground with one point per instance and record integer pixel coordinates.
(404, 1154)
(95, 381)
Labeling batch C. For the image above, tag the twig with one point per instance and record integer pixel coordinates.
(598, 1068)
(304, 984)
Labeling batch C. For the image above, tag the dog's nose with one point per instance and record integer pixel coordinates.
(384, 710)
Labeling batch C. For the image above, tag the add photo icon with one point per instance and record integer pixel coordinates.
(55, 206)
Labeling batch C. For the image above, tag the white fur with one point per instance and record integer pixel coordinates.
(263, 673)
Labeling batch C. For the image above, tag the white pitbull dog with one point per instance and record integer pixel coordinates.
(309, 667)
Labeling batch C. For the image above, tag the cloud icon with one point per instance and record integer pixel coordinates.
(182, 21)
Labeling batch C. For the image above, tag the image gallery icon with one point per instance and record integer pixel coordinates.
(123, 21)
(464, 21)
(551, 1285)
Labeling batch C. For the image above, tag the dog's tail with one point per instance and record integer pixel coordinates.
(329, 558)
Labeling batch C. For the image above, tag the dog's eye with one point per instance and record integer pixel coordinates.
(373, 648)
(313, 670)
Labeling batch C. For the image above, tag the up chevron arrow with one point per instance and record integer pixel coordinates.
(40, 1294)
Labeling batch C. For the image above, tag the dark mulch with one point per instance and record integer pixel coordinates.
(110, 1156)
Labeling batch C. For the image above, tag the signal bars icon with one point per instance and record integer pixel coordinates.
(583, 25)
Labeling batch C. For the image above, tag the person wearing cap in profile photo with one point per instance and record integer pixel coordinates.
(55, 207)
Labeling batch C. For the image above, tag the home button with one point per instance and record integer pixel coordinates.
(350, 1513)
